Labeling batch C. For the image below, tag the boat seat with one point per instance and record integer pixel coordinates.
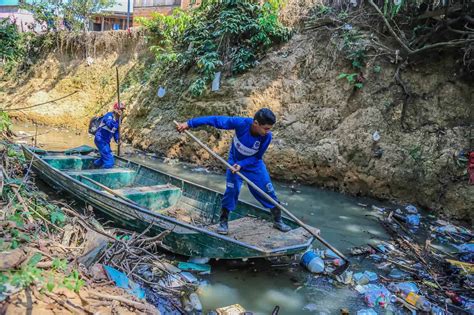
(113, 178)
(69, 162)
(152, 197)
(261, 233)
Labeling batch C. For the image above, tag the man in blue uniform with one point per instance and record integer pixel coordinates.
(251, 140)
(108, 128)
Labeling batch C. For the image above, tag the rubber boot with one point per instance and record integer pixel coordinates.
(278, 222)
(223, 222)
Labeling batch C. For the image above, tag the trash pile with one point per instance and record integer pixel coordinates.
(415, 273)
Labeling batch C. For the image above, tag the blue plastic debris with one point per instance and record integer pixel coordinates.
(404, 287)
(188, 277)
(360, 278)
(376, 257)
(413, 219)
(398, 274)
(122, 281)
(365, 277)
(465, 248)
(371, 275)
(382, 248)
(366, 311)
(362, 289)
(330, 254)
(312, 262)
(201, 268)
(411, 209)
(161, 92)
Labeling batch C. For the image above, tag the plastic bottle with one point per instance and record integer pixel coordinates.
(195, 302)
(312, 262)
(361, 278)
(403, 288)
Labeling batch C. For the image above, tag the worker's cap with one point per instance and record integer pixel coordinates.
(119, 107)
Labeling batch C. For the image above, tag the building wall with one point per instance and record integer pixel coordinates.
(147, 12)
(23, 19)
(145, 8)
(189, 4)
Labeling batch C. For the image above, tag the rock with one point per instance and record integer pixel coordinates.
(11, 259)
(97, 272)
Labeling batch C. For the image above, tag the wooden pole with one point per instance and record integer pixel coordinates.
(120, 118)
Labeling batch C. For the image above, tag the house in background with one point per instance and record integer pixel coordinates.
(10, 9)
(145, 8)
(114, 17)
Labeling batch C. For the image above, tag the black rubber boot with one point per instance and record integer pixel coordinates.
(223, 222)
(278, 222)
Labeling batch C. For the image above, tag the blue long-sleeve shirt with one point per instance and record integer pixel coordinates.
(108, 128)
(246, 150)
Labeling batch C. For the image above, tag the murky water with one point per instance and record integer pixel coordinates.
(259, 287)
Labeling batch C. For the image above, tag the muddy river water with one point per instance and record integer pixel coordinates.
(259, 287)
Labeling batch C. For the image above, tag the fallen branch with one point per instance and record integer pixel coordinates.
(140, 306)
(73, 308)
(22, 202)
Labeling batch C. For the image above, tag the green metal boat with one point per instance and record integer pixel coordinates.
(138, 197)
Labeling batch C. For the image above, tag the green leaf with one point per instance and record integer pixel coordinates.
(359, 85)
(35, 259)
(50, 286)
(57, 217)
(59, 264)
(25, 237)
(14, 244)
(342, 76)
(18, 219)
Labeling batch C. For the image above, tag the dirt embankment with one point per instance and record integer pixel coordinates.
(324, 134)
(79, 72)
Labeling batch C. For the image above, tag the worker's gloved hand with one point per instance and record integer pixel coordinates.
(236, 168)
(182, 127)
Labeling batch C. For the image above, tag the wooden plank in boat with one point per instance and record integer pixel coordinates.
(261, 233)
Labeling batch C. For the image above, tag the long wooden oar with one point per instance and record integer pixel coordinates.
(340, 269)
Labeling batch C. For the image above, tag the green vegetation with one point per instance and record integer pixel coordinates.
(5, 122)
(229, 36)
(12, 46)
(27, 216)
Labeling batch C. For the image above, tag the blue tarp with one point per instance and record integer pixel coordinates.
(122, 281)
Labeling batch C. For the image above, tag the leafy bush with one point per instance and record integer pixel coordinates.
(221, 35)
(5, 122)
(11, 45)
